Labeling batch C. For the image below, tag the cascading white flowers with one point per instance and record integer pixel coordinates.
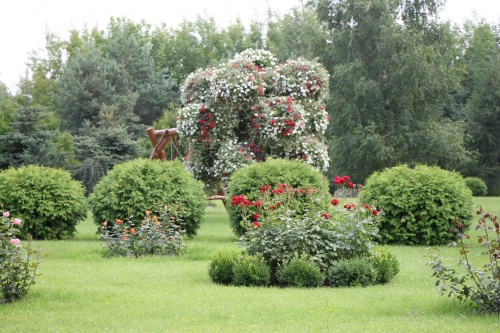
(251, 108)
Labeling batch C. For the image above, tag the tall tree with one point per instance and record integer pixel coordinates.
(481, 93)
(390, 77)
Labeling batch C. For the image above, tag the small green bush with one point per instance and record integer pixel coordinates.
(385, 263)
(249, 180)
(221, 268)
(251, 271)
(477, 186)
(420, 205)
(300, 272)
(352, 272)
(134, 187)
(47, 199)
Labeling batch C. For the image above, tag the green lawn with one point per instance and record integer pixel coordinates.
(79, 291)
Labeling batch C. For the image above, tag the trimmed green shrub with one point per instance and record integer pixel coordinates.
(476, 185)
(47, 200)
(135, 187)
(352, 273)
(251, 271)
(221, 267)
(300, 272)
(248, 181)
(420, 205)
(385, 263)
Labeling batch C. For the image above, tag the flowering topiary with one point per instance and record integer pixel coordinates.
(251, 108)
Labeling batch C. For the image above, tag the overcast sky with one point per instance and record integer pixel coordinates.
(23, 22)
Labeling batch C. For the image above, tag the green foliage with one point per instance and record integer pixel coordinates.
(420, 205)
(137, 186)
(352, 272)
(47, 199)
(251, 271)
(480, 286)
(325, 233)
(300, 272)
(31, 140)
(249, 180)
(476, 185)
(385, 264)
(221, 267)
(389, 59)
(155, 235)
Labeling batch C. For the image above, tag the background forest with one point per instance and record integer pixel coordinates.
(405, 87)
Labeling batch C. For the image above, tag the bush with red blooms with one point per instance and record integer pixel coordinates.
(325, 234)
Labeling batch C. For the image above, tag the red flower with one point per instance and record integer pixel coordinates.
(256, 216)
(335, 201)
(256, 225)
(351, 185)
(347, 178)
(367, 207)
(327, 216)
(265, 188)
(375, 212)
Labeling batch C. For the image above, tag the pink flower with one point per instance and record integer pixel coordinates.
(6, 214)
(15, 242)
(16, 221)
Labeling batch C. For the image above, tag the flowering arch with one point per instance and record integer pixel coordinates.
(251, 108)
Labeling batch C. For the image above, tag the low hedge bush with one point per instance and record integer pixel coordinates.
(248, 181)
(47, 200)
(352, 272)
(420, 205)
(220, 269)
(135, 187)
(300, 272)
(251, 271)
(385, 263)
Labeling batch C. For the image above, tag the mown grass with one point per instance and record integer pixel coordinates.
(79, 291)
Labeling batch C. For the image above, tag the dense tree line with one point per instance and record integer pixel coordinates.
(405, 88)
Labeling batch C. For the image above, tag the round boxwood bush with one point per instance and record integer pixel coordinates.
(220, 269)
(300, 272)
(352, 272)
(385, 263)
(49, 203)
(251, 271)
(134, 187)
(420, 205)
(248, 181)
(476, 185)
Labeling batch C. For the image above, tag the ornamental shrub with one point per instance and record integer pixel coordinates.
(249, 180)
(300, 272)
(134, 187)
(476, 185)
(221, 267)
(17, 271)
(385, 263)
(326, 233)
(251, 271)
(352, 272)
(420, 205)
(47, 199)
(157, 234)
(465, 282)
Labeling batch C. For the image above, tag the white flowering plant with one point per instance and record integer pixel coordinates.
(250, 108)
